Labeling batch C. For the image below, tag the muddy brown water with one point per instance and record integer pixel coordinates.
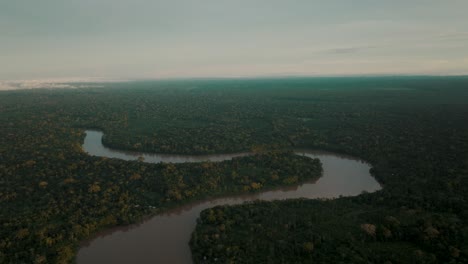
(164, 238)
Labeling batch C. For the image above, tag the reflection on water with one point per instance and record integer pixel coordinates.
(164, 238)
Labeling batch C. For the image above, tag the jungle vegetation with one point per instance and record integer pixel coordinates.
(413, 130)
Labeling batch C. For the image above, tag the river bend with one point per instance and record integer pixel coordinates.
(164, 238)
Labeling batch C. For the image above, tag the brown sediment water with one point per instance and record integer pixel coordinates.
(165, 238)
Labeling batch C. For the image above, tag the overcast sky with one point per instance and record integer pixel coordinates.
(131, 39)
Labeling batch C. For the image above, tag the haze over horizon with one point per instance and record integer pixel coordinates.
(145, 39)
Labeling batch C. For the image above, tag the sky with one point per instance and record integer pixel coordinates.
(152, 39)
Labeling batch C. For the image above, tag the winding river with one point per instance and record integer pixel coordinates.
(164, 238)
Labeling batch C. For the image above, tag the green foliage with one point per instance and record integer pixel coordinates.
(416, 138)
(413, 130)
(53, 196)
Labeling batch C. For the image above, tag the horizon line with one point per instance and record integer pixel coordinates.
(277, 76)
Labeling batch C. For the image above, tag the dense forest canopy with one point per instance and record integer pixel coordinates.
(413, 130)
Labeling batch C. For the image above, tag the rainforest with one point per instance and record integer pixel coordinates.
(412, 131)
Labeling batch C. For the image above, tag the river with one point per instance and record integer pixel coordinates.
(164, 238)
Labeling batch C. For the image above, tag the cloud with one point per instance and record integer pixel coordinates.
(20, 85)
(454, 36)
(344, 50)
(62, 83)
(348, 50)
